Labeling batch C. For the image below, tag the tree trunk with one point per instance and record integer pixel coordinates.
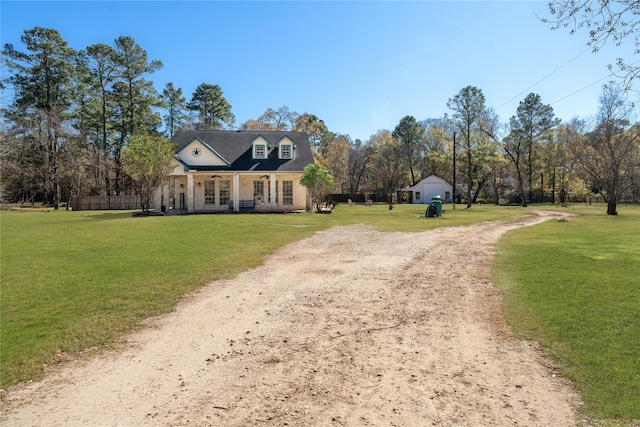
(53, 155)
(105, 162)
(477, 192)
(563, 195)
(469, 177)
(523, 199)
(611, 208)
(495, 188)
(553, 187)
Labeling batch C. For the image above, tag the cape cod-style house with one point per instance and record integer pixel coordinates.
(234, 171)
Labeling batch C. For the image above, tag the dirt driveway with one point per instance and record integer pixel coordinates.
(351, 327)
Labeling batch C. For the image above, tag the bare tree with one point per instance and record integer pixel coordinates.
(335, 159)
(360, 156)
(606, 21)
(281, 119)
(387, 164)
(609, 154)
(7, 165)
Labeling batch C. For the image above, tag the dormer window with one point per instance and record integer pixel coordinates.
(260, 151)
(285, 148)
(285, 151)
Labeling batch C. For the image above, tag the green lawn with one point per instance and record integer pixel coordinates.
(76, 280)
(575, 287)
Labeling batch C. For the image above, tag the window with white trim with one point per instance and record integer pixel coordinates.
(259, 151)
(287, 193)
(258, 190)
(209, 192)
(286, 151)
(225, 192)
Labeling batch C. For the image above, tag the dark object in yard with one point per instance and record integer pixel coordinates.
(435, 207)
(146, 214)
(326, 209)
(432, 211)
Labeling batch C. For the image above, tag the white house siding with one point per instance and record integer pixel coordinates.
(430, 190)
(206, 157)
(429, 187)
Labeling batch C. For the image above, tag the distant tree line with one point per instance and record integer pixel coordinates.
(532, 158)
(74, 112)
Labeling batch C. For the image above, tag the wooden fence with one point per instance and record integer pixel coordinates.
(95, 203)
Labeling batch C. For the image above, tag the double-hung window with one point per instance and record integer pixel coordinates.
(285, 151)
(258, 190)
(225, 192)
(209, 192)
(287, 193)
(260, 151)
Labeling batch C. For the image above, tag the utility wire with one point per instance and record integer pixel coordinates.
(580, 90)
(547, 76)
(588, 86)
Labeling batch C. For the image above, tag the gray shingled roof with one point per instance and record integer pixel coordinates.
(235, 147)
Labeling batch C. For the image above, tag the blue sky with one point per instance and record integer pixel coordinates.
(360, 66)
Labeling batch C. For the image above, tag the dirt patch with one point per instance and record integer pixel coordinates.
(349, 327)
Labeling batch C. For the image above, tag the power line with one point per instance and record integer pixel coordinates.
(589, 85)
(547, 76)
(580, 90)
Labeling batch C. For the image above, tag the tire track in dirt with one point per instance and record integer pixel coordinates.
(349, 327)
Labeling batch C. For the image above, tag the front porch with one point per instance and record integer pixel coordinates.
(201, 192)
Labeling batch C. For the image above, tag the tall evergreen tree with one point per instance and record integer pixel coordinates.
(175, 105)
(96, 106)
(529, 126)
(315, 128)
(41, 79)
(212, 108)
(469, 110)
(134, 98)
(409, 134)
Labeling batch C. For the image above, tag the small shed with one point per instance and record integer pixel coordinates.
(429, 187)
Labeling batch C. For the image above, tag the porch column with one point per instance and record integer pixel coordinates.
(273, 201)
(236, 192)
(190, 200)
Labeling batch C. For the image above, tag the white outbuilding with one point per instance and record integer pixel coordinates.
(429, 187)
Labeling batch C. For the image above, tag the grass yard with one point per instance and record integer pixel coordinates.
(575, 287)
(71, 281)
